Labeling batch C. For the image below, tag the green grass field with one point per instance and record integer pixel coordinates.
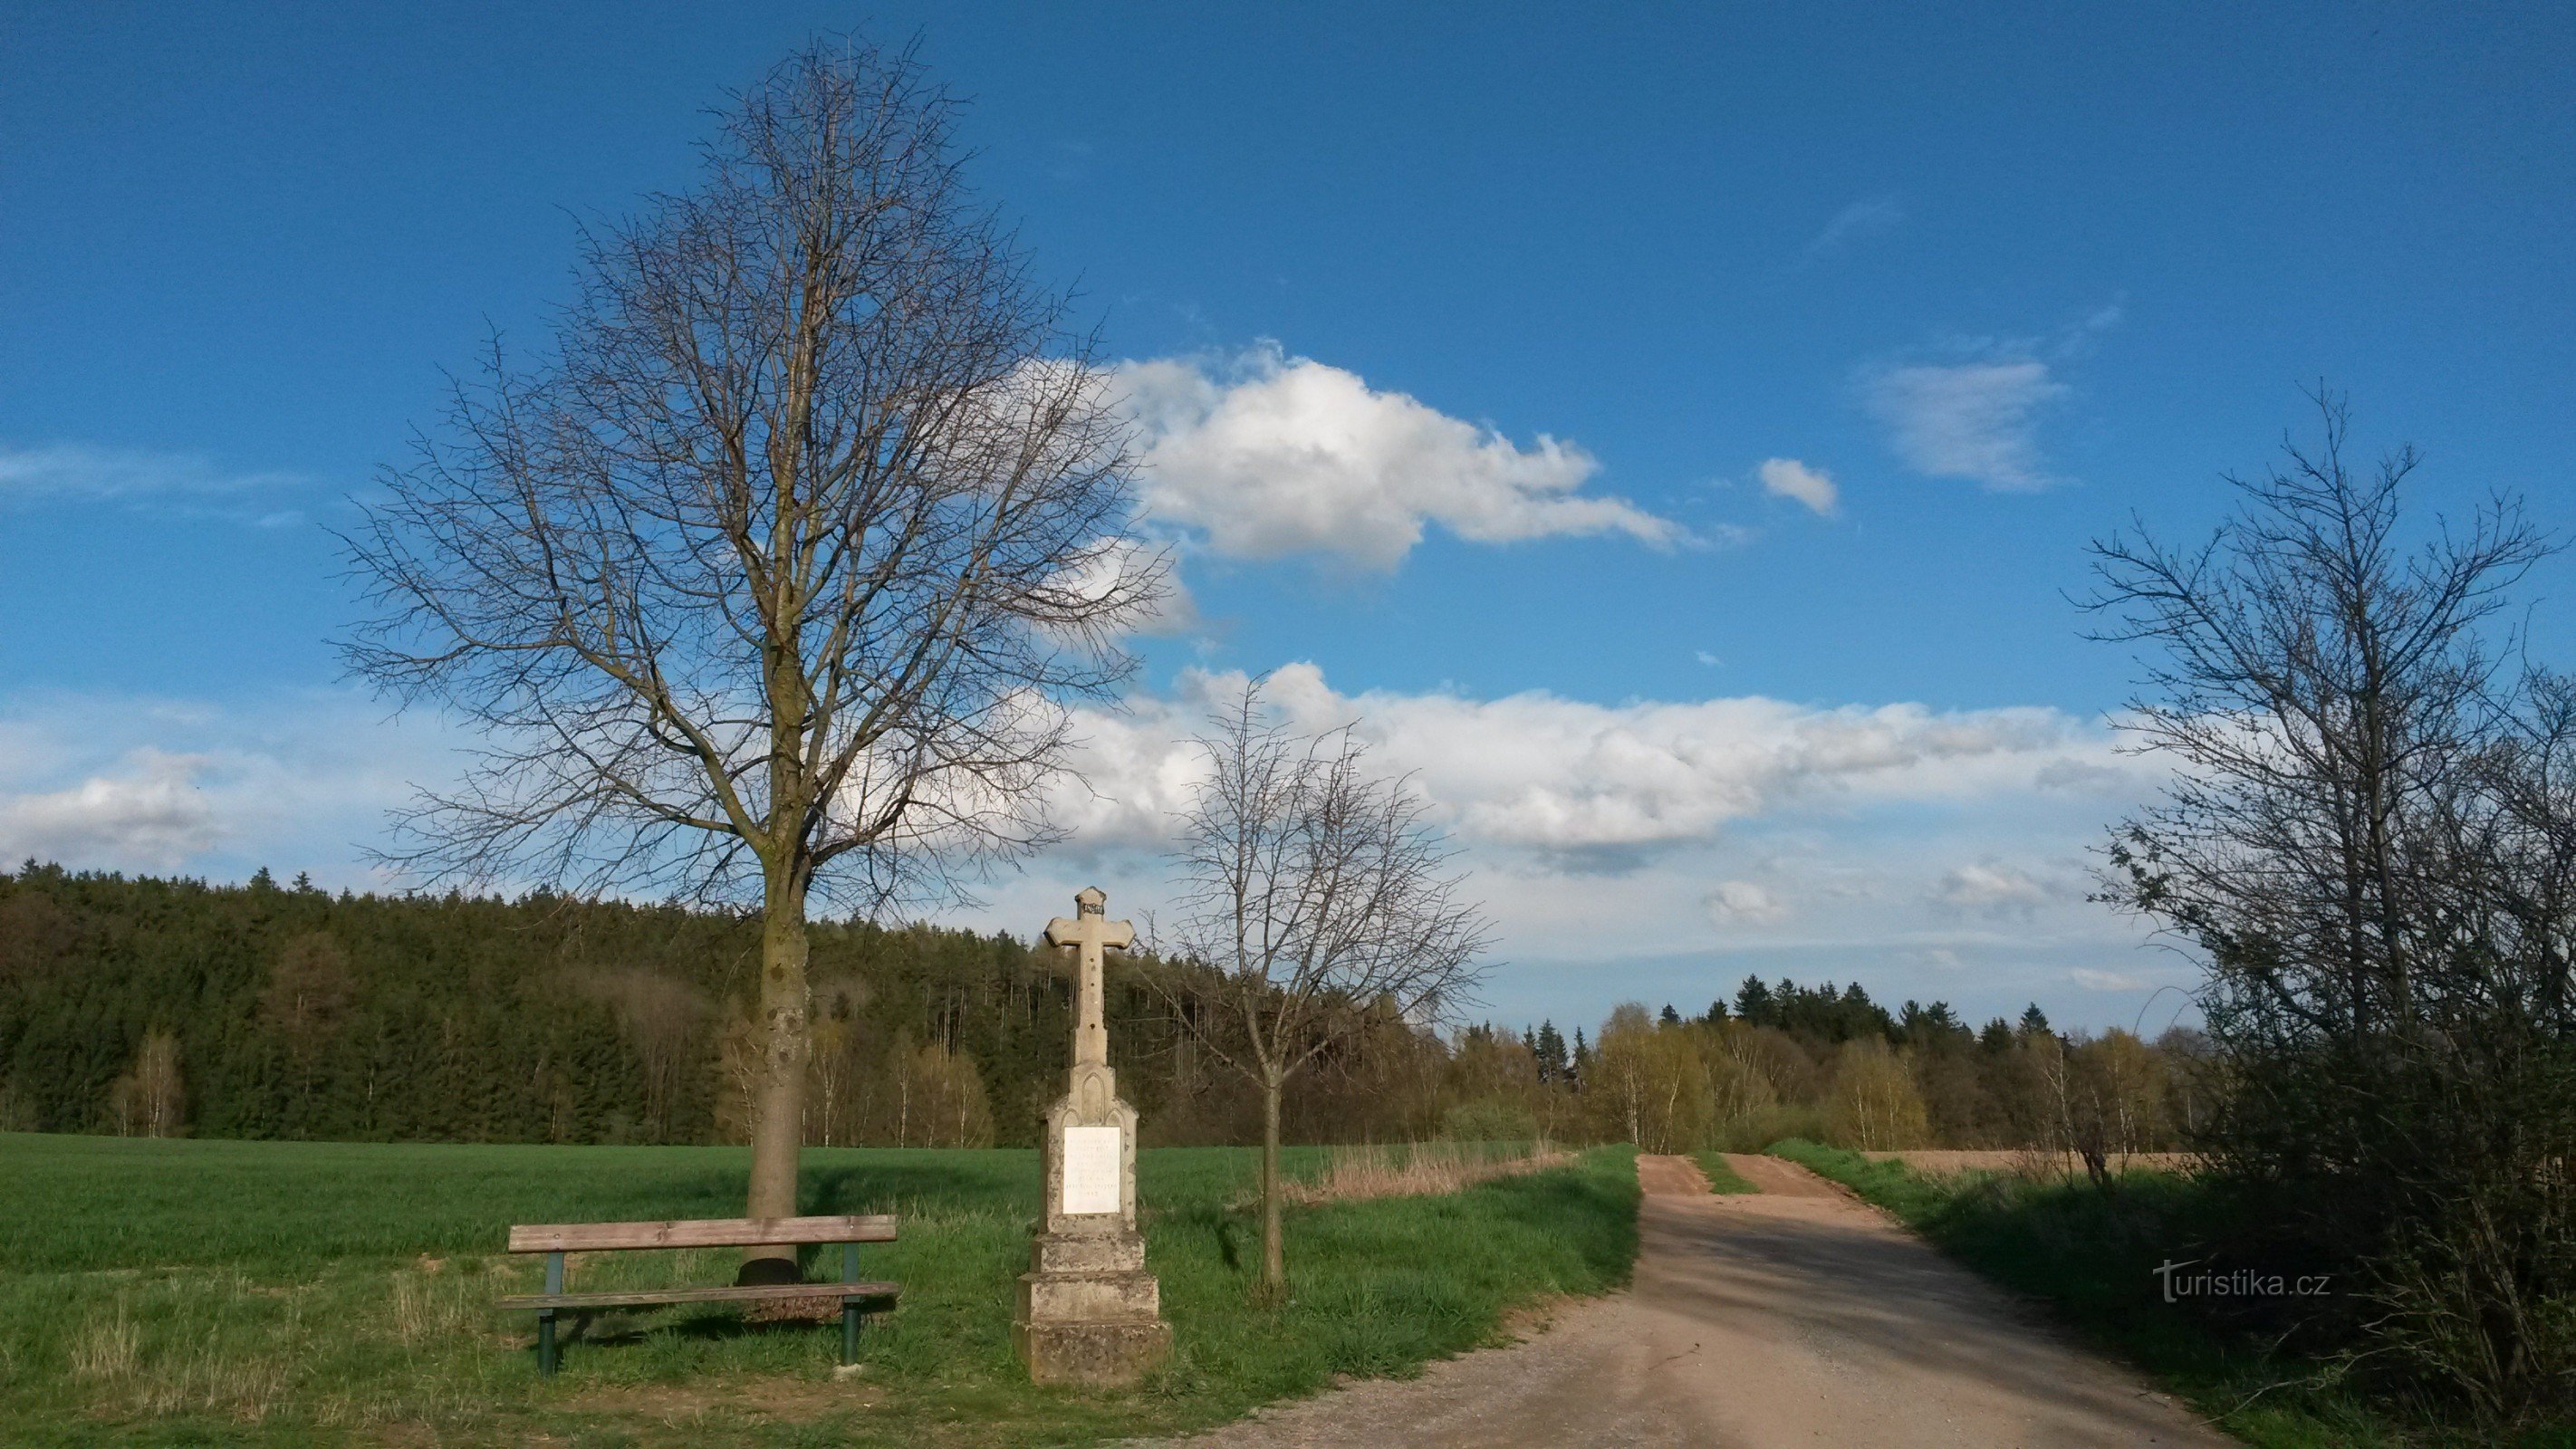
(239, 1293)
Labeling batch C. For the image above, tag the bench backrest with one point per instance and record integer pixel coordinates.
(698, 1233)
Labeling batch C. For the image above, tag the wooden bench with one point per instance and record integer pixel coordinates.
(556, 1239)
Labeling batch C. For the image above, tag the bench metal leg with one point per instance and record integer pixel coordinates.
(849, 1306)
(546, 1355)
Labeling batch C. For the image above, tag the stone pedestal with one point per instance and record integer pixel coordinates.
(1089, 1312)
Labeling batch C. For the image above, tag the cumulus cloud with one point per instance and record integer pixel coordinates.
(1744, 903)
(1536, 771)
(119, 782)
(1265, 455)
(1973, 420)
(1789, 478)
(1604, 837)
(150, 813)
(1112, 565)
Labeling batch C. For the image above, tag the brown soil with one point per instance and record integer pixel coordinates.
(1777, 1178)
(1793, 1316)
(1671, 1177)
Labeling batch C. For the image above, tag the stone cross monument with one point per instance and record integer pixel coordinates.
(1089, 1313)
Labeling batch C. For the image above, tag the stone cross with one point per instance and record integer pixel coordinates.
(1090, 1312)
(1090, 932)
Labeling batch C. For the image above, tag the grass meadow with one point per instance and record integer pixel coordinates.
(253, 1293)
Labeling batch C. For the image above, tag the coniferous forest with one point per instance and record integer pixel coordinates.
(276, 1010)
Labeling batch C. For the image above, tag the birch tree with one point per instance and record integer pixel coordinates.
(1314, 893)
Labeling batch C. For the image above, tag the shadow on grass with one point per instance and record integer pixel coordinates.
(887, 1184)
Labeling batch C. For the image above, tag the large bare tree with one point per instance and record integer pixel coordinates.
(2370, 841)
(773, 579)
(1311, 894)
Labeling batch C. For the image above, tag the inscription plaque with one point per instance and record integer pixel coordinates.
(1091, 1162)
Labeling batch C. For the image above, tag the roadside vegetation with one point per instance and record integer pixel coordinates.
(231, 1293)
(2092, 1253)
(2366, 841)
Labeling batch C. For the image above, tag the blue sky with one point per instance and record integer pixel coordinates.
(1975, 283)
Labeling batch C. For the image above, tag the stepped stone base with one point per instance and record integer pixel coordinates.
(1099, 1355)
(1089, 1313)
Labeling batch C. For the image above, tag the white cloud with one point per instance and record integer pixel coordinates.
(1109, 564)
(2079, 777)
(1744, 903)
(81, 471)
(1972, 420)
(1993, 889)
(1864, 218)
(1770, 836)
(2092, 980)
(150, 813)
(1789, 478)
(1535, 771)
(1266, 455)
(293, 781)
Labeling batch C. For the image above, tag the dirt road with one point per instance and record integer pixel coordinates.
(1794, 1317)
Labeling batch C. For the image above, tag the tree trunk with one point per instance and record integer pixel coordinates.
(1273, 1287)
(778, 1100)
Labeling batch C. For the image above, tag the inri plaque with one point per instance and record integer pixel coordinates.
(1090, 1170)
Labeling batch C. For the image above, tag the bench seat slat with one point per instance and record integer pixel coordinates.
(699, 1233)
(643, 1297)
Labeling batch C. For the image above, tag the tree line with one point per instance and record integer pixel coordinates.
(276, 1010)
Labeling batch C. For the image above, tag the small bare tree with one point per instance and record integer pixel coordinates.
(150, 1100)
(773, 582)
(1311, 894)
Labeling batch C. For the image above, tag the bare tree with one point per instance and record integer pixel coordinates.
(2369, 840)
(1312, 894)
(150, 1100)
(774, 580)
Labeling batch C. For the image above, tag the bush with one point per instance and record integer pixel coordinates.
(1489, 1119)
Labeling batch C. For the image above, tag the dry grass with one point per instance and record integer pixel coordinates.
(428, 1309)
(1426, 1169)
(108, 1350)
(176, 1373)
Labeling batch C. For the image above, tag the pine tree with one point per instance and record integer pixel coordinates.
(1552, 1064)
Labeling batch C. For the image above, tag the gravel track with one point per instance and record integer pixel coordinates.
(1796, 1316)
